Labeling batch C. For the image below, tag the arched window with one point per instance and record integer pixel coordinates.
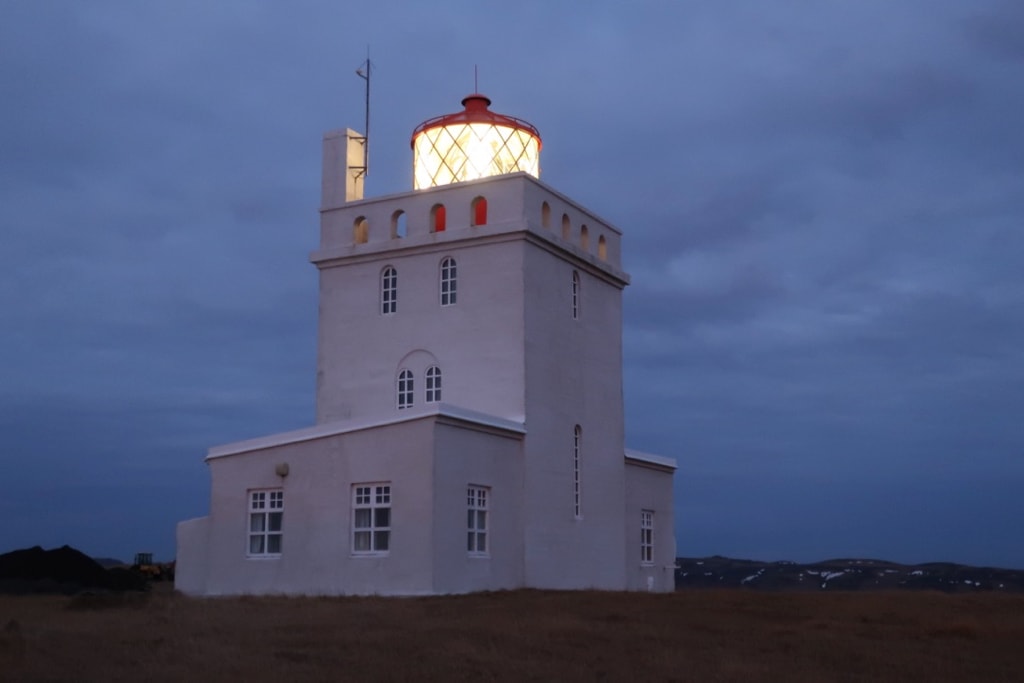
(584, 238)
(437, 218)
(433, 384)
(545, 216)
(388, 291)
(360, 230)
(602, 248)
(405, 389)
(577, 434)
(575, 295)
(478, 212)
(566, 227)
(448, 282)
(398, 227)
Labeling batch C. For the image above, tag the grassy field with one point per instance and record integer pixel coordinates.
(517, 636)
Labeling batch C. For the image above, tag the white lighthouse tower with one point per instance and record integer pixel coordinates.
(469, 429)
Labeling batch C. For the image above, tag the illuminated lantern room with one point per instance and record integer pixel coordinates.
(473, 143)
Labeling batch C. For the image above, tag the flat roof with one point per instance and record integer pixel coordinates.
(345, 426)
(659, 460)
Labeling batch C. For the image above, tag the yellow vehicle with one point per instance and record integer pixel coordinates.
(144, 565)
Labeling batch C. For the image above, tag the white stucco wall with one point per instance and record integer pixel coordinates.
(465, 457)
(476, 342)
(574, 376)
(650, 488)
(428, 461)
(191, 562)
(317, 556)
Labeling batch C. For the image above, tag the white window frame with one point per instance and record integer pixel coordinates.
(577, 437)
(647, 537)
(389, 291)
(449, 281)
(433, 384)
(405, 389)
(371, 532)
(575, 295)
(477, 520)
(265, 533)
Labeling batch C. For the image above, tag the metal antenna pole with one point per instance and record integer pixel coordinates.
(365, 75)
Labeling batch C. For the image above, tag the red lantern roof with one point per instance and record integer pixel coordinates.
(476, 111)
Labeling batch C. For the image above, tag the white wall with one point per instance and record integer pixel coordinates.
(466, 457)
(650, 488)
(477, 341)
(428, 463)
(316, 556)
(574, 376)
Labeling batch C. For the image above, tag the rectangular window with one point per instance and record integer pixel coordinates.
(476, 517)
(405, 389)
(647, 537)
(266, 515)
(575, 295)
(433, 384)
(371, 519)
(389, 291)
(448, 282)
(577, 433)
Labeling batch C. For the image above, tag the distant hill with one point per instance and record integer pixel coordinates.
(108, 562)
(60, 570)
(843, 575)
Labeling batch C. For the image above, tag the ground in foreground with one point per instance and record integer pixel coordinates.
(516, 636)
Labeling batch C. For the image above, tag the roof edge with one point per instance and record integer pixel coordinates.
(651, 459)
(337, 427)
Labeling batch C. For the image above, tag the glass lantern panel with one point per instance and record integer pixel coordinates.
(467, 151)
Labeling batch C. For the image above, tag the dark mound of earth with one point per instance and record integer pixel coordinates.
(61, 570)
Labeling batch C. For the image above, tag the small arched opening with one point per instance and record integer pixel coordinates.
(438, 217)
(360, 230)
(602, 248)
(478, 211)
(566, 226)
(584, 238)
(545, 216)
(398, 224)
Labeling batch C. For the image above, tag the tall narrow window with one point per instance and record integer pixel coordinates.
(266, 515)
(602, 248)
(584, 238)
(566, 226)
(647, 537)
(433, 384)
(545, 215)
(448, 281)
(371, 519)
(437, 218)
(575, 295)
(405, 389)
(479, 211)
(388, 291)
(476, 508)
(576, 471)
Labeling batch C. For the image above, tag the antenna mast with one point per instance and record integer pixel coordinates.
(364, 73)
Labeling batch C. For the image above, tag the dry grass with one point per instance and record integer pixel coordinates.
(517, 636)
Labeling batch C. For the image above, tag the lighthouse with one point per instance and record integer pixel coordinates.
(469, 428)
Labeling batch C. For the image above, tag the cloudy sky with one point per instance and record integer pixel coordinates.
(823, 208)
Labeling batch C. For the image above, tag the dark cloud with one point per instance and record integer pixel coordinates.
(821, 207)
